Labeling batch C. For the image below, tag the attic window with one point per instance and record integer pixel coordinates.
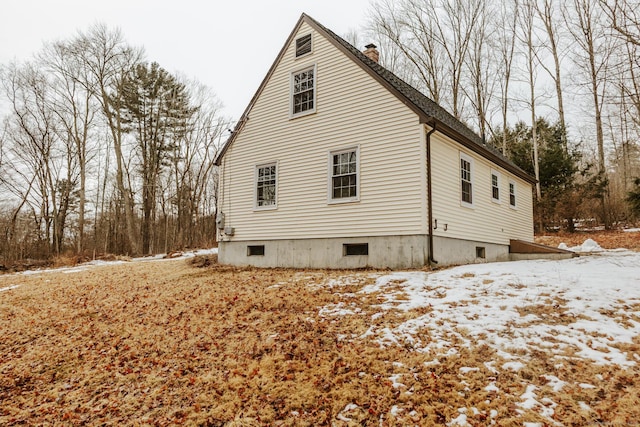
(303, 45)
(303, 92)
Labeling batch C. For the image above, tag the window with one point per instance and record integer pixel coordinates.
(257, 250)
(266, 177)
(303, 91)
(495, 186)
(303, 45)
(349, 249)
(344, 175)
(465, 179)
(512, 194)
(480, 252)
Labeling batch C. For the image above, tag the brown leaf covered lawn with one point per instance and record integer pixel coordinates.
(166, 343)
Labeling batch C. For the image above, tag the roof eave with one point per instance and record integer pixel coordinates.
(486, 153)
(245, 115)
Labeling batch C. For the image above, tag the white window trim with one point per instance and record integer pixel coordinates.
(295, 46)
(515, 194)
(330, 154)
(255, 186)
(469, 159)
(497, 174)
(315, 91)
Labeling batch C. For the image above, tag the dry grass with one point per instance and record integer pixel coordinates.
(606, 239)
(167, 343)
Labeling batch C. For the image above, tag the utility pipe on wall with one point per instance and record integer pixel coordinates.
(429, 194)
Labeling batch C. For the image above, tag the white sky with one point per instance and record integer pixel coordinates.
(227, 44)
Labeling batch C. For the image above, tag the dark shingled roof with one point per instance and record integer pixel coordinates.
(429, 112)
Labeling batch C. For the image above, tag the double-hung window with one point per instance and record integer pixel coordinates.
(266, 184)
(344, 175)
(303, 91)
(495, 186)
(466, 183)
(512, 194)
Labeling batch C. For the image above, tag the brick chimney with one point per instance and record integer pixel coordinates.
(371, 52)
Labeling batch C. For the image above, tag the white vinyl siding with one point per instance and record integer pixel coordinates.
(352, 110)
(487, 221)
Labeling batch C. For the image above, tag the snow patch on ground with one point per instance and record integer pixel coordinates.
(587, 246)
(343, 415)
(8, 288)
(96, 263)
(578, 308)
(576, 304)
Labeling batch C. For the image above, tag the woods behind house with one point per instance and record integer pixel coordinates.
(104, 151)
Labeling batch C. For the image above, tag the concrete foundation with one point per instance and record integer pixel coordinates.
(395, 252)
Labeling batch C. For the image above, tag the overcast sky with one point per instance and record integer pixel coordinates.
(227, 44)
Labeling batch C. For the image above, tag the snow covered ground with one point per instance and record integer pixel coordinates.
(580, 308)
(583, 303)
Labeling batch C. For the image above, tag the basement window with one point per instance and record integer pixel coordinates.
(255, 250)
(303, 45)
(480, 252)
(349, 249)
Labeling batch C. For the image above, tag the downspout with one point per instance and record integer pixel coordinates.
(430, 195)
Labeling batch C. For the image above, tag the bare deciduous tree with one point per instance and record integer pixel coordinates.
(624, 18)
(75, 110)
(527, 38)
(548, 13)
(105, 59)
(408, 32)
(506, 26)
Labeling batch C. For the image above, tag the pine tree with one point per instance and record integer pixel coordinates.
(565, 181)
(633, 198)
(156, 110)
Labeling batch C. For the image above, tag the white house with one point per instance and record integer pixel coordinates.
(338, 163)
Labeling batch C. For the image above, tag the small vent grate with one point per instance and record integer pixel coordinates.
(256, 250)
(349, 249)
(303, 45)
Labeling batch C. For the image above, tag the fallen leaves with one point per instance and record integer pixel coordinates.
(168, 344)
